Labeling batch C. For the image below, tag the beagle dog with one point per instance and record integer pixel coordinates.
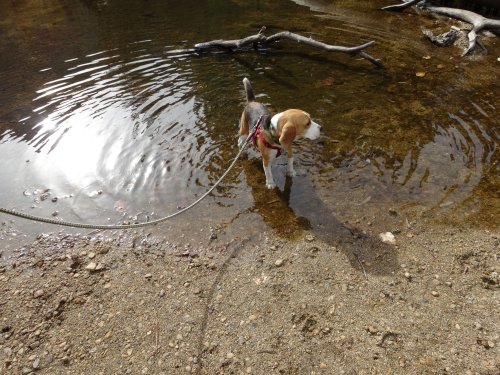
(274, 133)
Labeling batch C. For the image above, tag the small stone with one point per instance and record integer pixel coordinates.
(55, 213)
(148, 276)
(279, 262)
(323, 365)
(388, 237)
(408, 276)
(91, 255)
(373, 330)
(230, 355)
(36, 363)
(38, 293)
(99, 267)
(435, 294)
(162, 293)
(487, 344)
(252, 317)
(309, 238)
(91, 266)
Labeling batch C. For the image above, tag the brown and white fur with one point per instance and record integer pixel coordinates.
(286, 126)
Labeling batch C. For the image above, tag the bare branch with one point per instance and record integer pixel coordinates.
(402, 6)
(260, 38)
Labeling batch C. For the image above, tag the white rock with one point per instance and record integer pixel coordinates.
(388, 237)
(91, 266)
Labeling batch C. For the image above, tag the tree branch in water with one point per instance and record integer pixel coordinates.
(402, 6)
(262, 39)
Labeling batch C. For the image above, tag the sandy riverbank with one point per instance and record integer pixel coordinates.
(135, 304)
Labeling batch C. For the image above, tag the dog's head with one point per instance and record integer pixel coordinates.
(296, 123)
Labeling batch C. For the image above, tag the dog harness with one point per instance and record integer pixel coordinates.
(259, 133)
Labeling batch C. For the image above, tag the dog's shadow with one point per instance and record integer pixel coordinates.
(295, 206)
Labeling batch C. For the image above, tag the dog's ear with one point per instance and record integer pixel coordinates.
(288, 134)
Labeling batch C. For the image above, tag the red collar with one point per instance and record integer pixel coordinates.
(259, 133)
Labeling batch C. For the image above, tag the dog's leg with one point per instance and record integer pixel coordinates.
(286, 139)
(290, 171)
(244, 130)
(267, 160)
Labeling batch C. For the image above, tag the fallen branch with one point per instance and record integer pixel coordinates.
(262, 39)
(477, 21)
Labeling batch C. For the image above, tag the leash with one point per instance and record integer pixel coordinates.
(135, 225)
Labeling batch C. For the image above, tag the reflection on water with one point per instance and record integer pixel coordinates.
(121, 125)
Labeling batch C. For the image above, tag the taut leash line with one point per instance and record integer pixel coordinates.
(135, 225)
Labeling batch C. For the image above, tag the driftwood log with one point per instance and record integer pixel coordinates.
(477, 21)
(262, 39)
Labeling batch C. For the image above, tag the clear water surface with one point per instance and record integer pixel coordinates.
(104, 119)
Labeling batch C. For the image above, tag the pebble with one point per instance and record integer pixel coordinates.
(388, 237)
(435, 294)
(36, 363)
(91, 266)
(148, 276)
(309, 238)
(39, 293)
(230, 355)
(279, 262)
(91, 255)
(408, 276)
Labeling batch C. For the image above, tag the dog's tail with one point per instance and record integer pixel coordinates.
(248, 90)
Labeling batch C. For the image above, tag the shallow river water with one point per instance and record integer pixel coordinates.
(103, 119)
